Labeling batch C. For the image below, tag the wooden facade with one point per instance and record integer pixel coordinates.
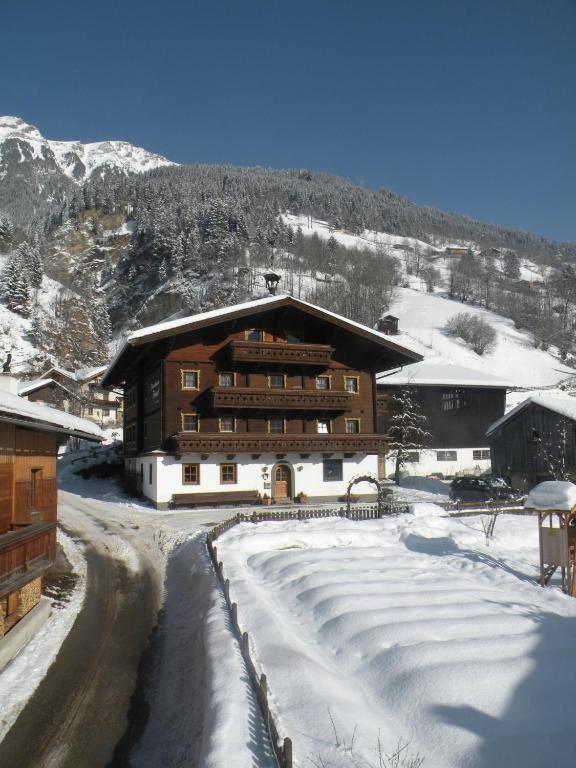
(287, 378)
(29, 441)
(534, 443)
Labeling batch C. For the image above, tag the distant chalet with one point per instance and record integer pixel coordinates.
(29, 438)
(269, 399)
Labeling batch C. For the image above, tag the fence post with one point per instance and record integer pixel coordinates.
(245, 645)
(234, 611)
(288, 752)
(227, 590)
(264, 691)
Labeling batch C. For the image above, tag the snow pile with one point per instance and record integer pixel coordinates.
(552, 494)
(407, 629)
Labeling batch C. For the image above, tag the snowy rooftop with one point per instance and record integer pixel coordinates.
(564, 406)
(85, 374)
(437, 374)
(552, 494)
(18, 408)
(26, 387)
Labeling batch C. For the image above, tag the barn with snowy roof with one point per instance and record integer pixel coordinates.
(535, 441)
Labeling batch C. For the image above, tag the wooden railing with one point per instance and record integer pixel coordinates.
(23, 550)
(284, 399)
(42, 507)
(276, 352)
(264, 442)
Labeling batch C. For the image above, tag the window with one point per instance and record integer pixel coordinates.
(150, 473)
(292, 338)
(446, 455)
(352, 426)
(453, 399)
(35, 490)
(191, 474)
(413, 457)
(332, 470)
(227, 424)
(90, 411)
(106, 412)
(323, 426)
(481, 455)
(323, 382)
(189, 422)
(254, 334)
(226, 379)
(276, 380)
(276, 424)
(190, 379)
(227, 473)
(131, 397)
(351, 384)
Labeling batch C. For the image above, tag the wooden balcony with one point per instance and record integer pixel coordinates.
(25, 554)
(280, 399)
(285, 354)
(265, 442)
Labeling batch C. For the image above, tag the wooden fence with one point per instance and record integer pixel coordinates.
(282, 748)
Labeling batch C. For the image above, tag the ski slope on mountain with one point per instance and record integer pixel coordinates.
(514, 357)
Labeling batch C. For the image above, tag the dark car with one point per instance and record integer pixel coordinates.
(481, 489)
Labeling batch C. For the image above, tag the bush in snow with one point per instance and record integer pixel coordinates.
(473, 330)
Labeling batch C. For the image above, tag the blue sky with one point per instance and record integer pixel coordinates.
(466, 105)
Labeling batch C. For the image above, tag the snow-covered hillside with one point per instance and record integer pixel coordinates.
(76, 160)
(422, 315)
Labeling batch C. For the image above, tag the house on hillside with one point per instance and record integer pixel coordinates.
(456, 250)
(268, 399)
(535, 441)
(30, 435)
(76, 392)
(459, 405)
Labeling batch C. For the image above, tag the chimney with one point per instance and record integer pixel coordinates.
(9, 383)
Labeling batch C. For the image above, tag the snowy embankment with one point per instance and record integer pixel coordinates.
(408, 629)
(21, 677)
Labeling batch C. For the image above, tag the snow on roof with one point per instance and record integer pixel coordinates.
(26, 387)
(18, 408)
(426, 373)
(63, 371)
(564, 406)
(223, 312)
(552, 494)
(85, 374)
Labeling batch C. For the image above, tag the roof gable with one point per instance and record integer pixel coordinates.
(562, 406)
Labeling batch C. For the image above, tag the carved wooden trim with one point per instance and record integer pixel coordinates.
(289, 399)
(272, 352)
(262, 442)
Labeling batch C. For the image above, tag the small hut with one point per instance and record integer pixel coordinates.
(555, 503)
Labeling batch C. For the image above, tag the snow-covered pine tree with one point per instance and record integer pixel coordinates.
(31, 262)
(16, 285)
(407, 431)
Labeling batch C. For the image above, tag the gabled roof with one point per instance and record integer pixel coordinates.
(88, 374)
(213, 317)
(17, 410)
(28, 387)
(564, 406)
(437, 375)
(62, 371)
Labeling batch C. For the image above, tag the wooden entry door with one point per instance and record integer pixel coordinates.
(282, 482)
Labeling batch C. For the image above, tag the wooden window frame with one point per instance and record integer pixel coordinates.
(358, 421)
(357, 379)
(227, 431)
(235, 472)
(333, 463)
(184, 371)
(189, 413)
(248, 331)
(269, 419)
(269, 380)
(481, 451)
(191, 482)
(324, 376)
(226, 373)
(443, 455)
(322, 421)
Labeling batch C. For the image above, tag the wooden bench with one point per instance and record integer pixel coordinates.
(217, 497)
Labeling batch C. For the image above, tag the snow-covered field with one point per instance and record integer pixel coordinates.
(408, 630)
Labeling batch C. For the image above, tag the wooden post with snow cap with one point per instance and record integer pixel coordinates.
(287, 747)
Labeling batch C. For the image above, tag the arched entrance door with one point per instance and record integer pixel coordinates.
(282, 482)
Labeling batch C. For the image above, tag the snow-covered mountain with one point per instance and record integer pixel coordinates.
(21, 142)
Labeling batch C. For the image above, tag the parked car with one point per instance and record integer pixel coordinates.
(481, 489)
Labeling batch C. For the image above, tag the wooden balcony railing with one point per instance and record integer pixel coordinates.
(259, 442)
(283, 399)
(43, 507)
(275, 352)
(28, 550)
